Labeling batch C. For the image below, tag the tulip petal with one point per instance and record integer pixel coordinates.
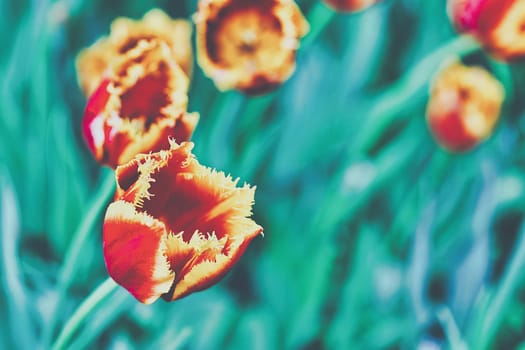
(464, 106)
(505, 36)
(134, 250)
(350, 5)
(212, 259)
(498, 24)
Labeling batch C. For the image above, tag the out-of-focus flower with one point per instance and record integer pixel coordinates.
(498, 24)
(464, 106)
(248, 45)
(141, 103)
(127, 34)
(350, 5)
(176, 227)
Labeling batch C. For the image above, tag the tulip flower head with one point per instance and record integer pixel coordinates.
(93, 62)
(464, 106)
(498, 24)
(175, 227)
(141, 103)
(249, 45)
(350, 5)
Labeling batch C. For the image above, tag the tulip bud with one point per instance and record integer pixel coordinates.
(350, 5)
(138, 106)
(175, 227)
(464, 106)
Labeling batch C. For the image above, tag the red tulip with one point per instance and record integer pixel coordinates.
(498, 24)
(138, 106)
(175, 227)
(93, 62)
(350, 5)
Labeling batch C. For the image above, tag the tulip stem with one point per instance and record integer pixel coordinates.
(84, 310)
(319, 17)
(106, 189)
(497, 301)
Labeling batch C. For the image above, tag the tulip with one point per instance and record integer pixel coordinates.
(248, 45)
(175, 227)
(350, 5)
(464, 106)
(140, 104)
(499, 25)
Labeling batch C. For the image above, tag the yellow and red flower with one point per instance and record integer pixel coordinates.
(498, 24)
(141, 102)
(350, 5)
(249, 45)
(175, 227)
(93, 62)
(464, 106)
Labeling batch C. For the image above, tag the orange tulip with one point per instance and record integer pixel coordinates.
(175, 227)
(141, 103)
(498, 24)
(248, 45)
(464, 106)
(125, 35)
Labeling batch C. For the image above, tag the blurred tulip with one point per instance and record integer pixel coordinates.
(127, 34)
(464, 106)
(141, 103)
(350, 5)
(498, 24)
(248, 45)
(175, 227)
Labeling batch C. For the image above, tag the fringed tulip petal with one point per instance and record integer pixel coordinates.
(498, 24)
(93, 62)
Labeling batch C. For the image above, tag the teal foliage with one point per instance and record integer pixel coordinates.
(375, 237)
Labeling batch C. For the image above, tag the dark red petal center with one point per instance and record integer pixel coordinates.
(146, 98)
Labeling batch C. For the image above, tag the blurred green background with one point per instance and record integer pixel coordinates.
(375, 238)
